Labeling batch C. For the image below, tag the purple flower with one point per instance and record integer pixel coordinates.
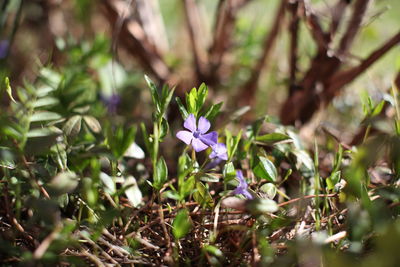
(4, 46)
(197, 134)
(219, 151)
(242, 186)
(111, 102)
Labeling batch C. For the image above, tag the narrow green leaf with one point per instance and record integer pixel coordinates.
(9, 90)
(202, 93)
(272, 138)
(265, 169)
(213, 111)
(46, 101)
(187, 187)
(154, 93)
(146, 139)
(213, 250)
(182, 224)
(182, 108)
(161, 174)
(202, 196)
(191, 101)
(44, 116)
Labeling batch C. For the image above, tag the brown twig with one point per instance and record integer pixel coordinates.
(294, 40)
(193, 24)
(224, 26)
(314, 25)
(337, 14)
(342, 78)
(359, 9)
(135, 40)
(247, 92)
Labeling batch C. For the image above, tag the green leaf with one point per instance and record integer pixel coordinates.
(154, 94)
(167, 96)
(333, 179)
(44, 116)
(41, 139)
(213, 250)
(134, 151)
(182, 108)
(209, 178)
(182, 224)
(232, 143)
(161, 174)
(51, 77)
(202, 93)
(272, 138)
(261, 206)
(108, 182)
(8, 89)
(304, 158)
(73, 126)
(202, 196)
(92, 123)
(164, 128)
(269, 189)
(187, 187)
(127, 139)
(146, 139)
(265, 169)
(64, 182)
(46, 101)
(7, 158)
(229, 172)
(213, 111)
(378, 108)
(132, 191)
(191, 100)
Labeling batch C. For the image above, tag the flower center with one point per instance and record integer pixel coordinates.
(196, 134)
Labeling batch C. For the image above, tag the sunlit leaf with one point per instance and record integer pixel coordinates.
(264, 168)
(182, 224)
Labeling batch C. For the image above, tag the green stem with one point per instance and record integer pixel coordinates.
(317, 188)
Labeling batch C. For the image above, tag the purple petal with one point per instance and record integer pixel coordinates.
(213, 164)
(198, 145)
(204, 125)
(224, 156)
(210, 138)
(213, 155)
(219, 150)
(185, 136)
(247, 194)
(239, 175)
(190, 123)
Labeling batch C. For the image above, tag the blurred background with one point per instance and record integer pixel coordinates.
(282, 58)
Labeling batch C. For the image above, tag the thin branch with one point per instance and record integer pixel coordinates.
(359, 9)
(225, 23)
(314, 25)
(294, 40)
(347, 76)
(246, 95)
(135, 40)
(193, 24)
(337, 14)
(153, 24)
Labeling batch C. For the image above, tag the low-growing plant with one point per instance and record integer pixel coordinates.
(77, 188)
